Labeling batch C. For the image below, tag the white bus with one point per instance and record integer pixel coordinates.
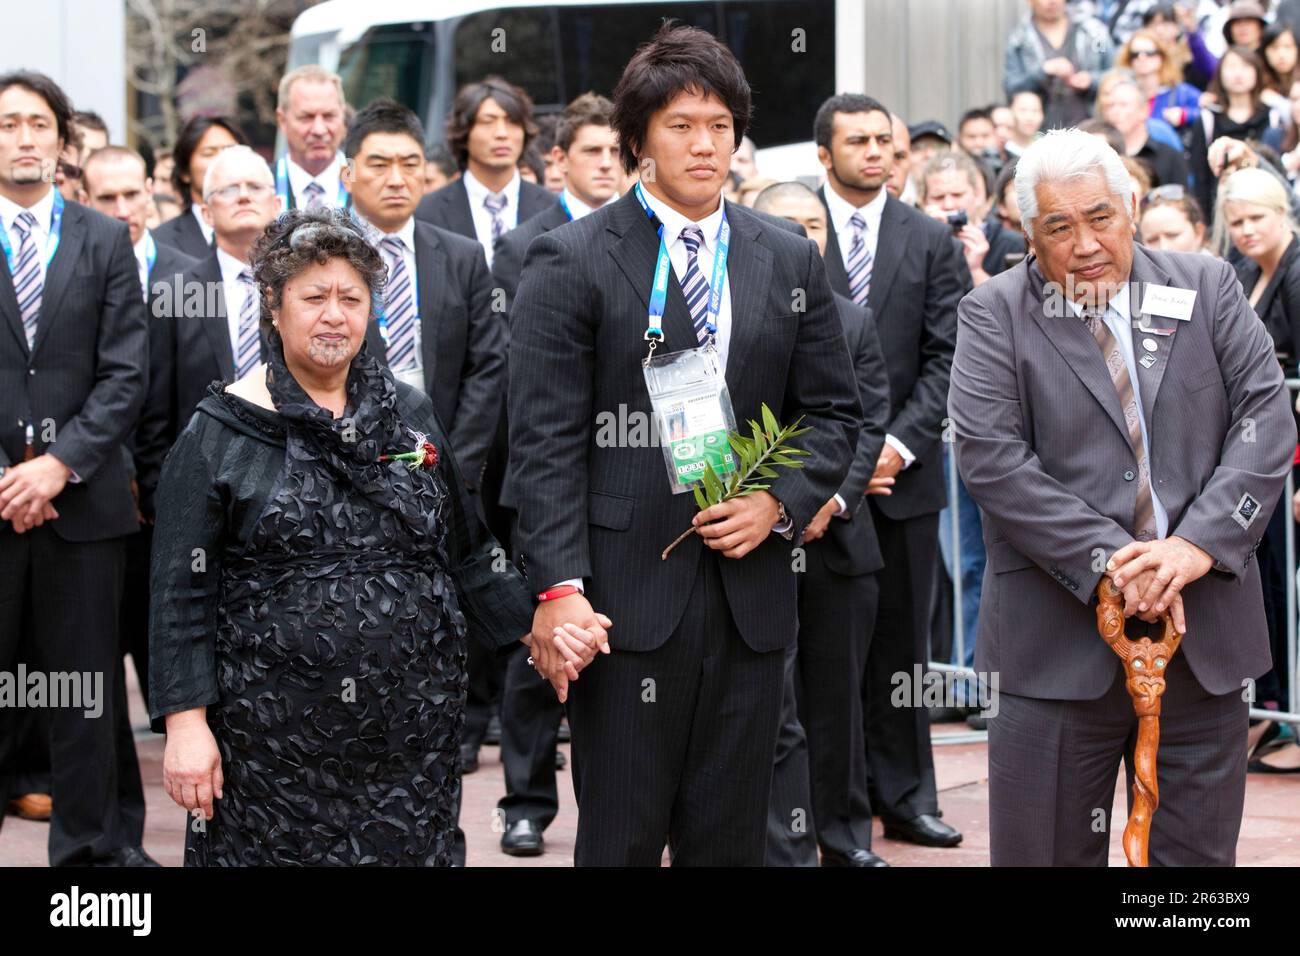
(420, 52)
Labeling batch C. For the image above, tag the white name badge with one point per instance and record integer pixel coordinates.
(1170, 302)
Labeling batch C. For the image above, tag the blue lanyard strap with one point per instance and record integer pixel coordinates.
(150, 257)
(282, 185)
(659, 290)
(56, 227)
(564, 204)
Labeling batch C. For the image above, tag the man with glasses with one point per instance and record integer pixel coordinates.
(210, 330)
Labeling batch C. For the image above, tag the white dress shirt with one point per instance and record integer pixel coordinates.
(208, 231)
(841, 212)
(142, 250)
(235, 292)
(43, 210)
(1119, 320)
(477, 192)
(407, 235)
(328, 180)
(578, 208)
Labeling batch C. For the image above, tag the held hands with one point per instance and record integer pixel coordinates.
(1153, 573)
(821, 521)
(738, 526)
(566, 636)
(191, 762)
(27, 489)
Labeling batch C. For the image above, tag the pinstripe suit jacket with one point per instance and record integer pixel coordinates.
(86, 372)
(605, 513)
(1043, 448)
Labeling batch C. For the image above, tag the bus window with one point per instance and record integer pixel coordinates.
(392, 60)
(517, 44)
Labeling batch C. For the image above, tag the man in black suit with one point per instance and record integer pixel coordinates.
(586, 151)
(210, 329)
(73, 373)
(310, 114)
(674, 731)
(201, 141)
(821, 760)
(491, 125)
(906, 268)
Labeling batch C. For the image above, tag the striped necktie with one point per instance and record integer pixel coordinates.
(859, 264)
(28, 285)
(1144, 513)
(694, 286)
(399, 306)
(313, 193)
(249, 350)
(495, 203)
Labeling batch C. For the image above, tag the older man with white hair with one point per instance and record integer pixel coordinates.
(1118, 412)
(210, 328)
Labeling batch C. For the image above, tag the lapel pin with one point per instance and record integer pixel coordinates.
(1149, 345)
(1147, 361)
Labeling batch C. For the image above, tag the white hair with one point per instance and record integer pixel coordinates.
(1067, 154)
(228, 155)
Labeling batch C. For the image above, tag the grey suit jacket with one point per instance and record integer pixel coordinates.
(603, 511)
(1042, 446)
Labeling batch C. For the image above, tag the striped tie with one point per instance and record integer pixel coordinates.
(1144, 514)
(694, 286)
(859, 264)
(28, 285)
(249, 352)
(313, 193)
(495, 203)
(399, 306)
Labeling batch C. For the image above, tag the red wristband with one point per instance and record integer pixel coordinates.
(563, 590)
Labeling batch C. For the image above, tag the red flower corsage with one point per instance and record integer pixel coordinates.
(424, 456)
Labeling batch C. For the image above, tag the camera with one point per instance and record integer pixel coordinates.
(957, 220)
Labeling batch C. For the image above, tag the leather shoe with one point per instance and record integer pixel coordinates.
(561, 761)
(493, 735)
(128, 856)
(32, 806)
(468, 759)
(925, 830)
(523, 838)
(855, 857)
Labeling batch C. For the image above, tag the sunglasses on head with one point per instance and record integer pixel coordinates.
(1171, 193)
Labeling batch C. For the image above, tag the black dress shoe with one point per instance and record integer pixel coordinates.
(925, 830)
(493, 735)
(975, 722)
(522, 839)
(128, 856)
(468, 759)
(856, 857)
(564, 736)
(561, 761)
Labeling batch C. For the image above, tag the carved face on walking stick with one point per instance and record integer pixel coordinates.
(1145, 661)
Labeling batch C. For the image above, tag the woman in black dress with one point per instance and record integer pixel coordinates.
(310, 593)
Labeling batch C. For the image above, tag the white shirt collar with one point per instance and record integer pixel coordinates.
(230, 266)
(674, 222)
(203, 224)
(578, 208)
(375, 234)
(42, 209)
(1119, 304)
(842, 210)
(142, 247)
(478, 192)
(328, 180)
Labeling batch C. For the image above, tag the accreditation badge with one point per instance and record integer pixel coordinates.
(693, 414)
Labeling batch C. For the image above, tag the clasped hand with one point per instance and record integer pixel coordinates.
(27, 489)
(1152, 575)
(566, 636)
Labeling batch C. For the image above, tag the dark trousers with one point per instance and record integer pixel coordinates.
(674, 746)
(899, 759)
(1052, 768)
(530, 730)
(74, 590)
(791, 840)
(134, 633)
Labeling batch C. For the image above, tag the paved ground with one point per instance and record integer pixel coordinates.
(1270, 833)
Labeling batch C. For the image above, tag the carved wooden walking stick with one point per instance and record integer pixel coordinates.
(1145, 663)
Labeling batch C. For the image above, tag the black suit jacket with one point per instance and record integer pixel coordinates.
(448, 207)
(603, 511)
(850, 545)
(508, 256)
(463, 342)
(183, 233)
(1279, 304)
(83, 382)
(148, 443)
(917, 279)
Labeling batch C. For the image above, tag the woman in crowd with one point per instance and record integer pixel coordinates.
(1238, 112)
(1280, 56)
(200, 140)
(1172, 221)
(1176, 27)
(1159, 77)
(314, 570)
(1254, 211)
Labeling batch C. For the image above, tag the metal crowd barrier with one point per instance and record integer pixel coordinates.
(1292, 581)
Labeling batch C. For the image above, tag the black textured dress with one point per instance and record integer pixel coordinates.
(301, 593)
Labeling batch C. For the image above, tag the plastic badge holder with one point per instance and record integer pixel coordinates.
(693, 415)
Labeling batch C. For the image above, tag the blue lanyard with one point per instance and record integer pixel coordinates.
(382, 318)
(150, 257)
(564, 204)
(282, 185)
(659, 290)
(56, 227)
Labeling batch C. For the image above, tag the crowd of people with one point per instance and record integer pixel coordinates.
(314, 442)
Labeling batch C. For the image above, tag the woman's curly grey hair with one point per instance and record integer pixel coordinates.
(300, 238)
